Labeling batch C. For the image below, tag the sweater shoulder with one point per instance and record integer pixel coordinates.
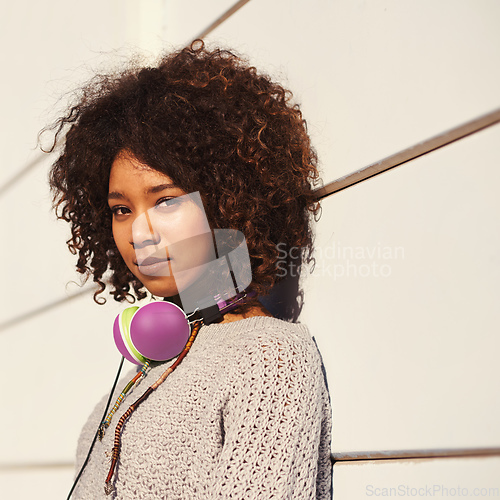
(259, 331)
(265, 344)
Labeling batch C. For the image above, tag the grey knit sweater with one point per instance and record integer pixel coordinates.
(246, 415)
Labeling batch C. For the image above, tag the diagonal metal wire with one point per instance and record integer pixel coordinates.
(39, 310)
(409, 154)
(21, 173)
(237, 6)
(406, 454)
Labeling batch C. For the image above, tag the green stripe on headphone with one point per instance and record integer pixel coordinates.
(126, 319)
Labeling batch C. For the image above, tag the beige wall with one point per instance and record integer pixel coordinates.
(404, 298)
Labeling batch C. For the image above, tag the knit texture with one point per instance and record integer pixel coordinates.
(246, 415)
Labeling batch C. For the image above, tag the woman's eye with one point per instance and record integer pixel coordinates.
(167, 204)
(120, 210)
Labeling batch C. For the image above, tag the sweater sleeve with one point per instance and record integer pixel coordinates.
(273, 421)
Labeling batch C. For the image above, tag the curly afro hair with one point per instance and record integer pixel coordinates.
(213, 124)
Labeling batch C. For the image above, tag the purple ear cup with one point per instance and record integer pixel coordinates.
(156, 331)
(159, 330)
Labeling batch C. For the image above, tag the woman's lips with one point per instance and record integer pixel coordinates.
(154, 266)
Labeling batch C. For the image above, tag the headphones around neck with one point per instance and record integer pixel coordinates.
(159, 331)
(156, 331)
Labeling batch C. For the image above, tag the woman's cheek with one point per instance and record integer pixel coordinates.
(120, 242)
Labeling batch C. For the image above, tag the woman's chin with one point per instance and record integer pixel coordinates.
(190, 289)
(160, 287)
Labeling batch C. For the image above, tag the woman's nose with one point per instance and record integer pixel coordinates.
(144, 232)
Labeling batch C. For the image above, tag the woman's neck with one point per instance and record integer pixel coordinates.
(256, 310)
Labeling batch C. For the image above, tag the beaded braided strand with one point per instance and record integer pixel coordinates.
(115, 453)
(135, 381)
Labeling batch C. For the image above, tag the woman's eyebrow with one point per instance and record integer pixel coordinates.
(160, 187)
(114, 195)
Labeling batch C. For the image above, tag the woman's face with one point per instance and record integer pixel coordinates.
(161, 232)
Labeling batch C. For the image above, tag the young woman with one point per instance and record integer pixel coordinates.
(153, 160)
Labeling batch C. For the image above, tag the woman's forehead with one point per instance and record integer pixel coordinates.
(127, 170)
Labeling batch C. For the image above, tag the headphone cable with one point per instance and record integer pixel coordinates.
(97, 432)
